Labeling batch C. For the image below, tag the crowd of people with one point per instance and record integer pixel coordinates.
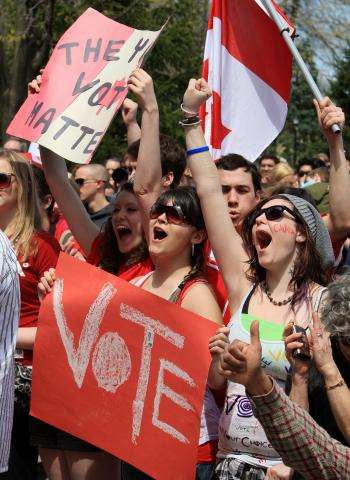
(260, 249)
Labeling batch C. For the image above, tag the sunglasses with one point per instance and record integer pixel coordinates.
(81, 181)
(5, 179)
(303, 174)
(173, 213)
(274, 213)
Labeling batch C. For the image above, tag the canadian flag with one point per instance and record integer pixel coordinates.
(249, 68)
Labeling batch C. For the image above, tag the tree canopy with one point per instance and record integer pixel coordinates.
(30, 28)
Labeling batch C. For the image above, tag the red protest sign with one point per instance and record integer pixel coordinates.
(122, 369)
(83, 86)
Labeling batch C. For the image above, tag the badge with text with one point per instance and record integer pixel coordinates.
(83, 86)
(122, 369)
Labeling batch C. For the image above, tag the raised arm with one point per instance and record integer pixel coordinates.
(69, 203)
(129, 112)
(338, 220)
(225, 241)
(54, 166)
(148, 175)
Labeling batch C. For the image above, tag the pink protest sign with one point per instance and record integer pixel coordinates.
(83, 86)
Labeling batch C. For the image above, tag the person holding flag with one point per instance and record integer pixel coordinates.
(276, 275)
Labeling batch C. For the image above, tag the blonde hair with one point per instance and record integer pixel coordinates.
(26, 221)
(279, 172)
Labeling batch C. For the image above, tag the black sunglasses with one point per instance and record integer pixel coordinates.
(81, 181)
(273, 213)
(173, 213)
(5, 179)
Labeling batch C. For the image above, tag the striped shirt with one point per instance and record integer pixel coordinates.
(9, 316)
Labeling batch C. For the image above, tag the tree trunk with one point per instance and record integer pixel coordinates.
(29, 53)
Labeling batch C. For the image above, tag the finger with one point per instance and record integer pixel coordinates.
(318, 110)
(288, 329)
(325, 102)
(41, 289)
(45, 284)
(255, 334)
(294, 345)
(192, 84)
(135, 89)
(236, 348)
(228, 362)
(216, 350)
(53, 273)
(293, 337)
(48, 278)
(224, 330)
(218, 343)
(136, 81)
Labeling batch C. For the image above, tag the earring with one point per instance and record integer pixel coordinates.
(192, 250)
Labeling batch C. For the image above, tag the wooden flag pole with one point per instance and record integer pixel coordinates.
(295, 52)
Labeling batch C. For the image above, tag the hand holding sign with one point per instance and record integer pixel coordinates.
(131, 371)
(82, 87)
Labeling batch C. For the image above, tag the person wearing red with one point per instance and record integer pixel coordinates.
(119, 248)
(36, 252)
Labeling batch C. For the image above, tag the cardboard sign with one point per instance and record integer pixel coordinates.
(83, 86)
(122, 369)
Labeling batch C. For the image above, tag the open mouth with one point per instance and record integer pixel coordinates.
(159, 234)
(123, 231)
(263, 239)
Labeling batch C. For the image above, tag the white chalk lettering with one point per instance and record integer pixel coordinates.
(163, 389)
(151, 327)
(78, 359)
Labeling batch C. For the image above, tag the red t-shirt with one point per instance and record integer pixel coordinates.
(126, 273)
(30, 273)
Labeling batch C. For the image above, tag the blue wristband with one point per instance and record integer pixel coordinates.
(197, 150)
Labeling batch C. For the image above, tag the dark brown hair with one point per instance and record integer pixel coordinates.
(111, 257)
(307, 266)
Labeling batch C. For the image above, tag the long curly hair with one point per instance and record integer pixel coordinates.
(307, 266)
(112, 258)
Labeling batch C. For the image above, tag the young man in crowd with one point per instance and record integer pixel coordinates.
(267, 164)
(91, 180)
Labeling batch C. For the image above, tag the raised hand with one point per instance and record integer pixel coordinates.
(292, 342)
(141, 85)
(219, 343)
(321, 347)
(34, 85)
(329, 114)
(129, 111)
(241, 363)
(197, 93)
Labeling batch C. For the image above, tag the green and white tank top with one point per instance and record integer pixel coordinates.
(240, 434)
